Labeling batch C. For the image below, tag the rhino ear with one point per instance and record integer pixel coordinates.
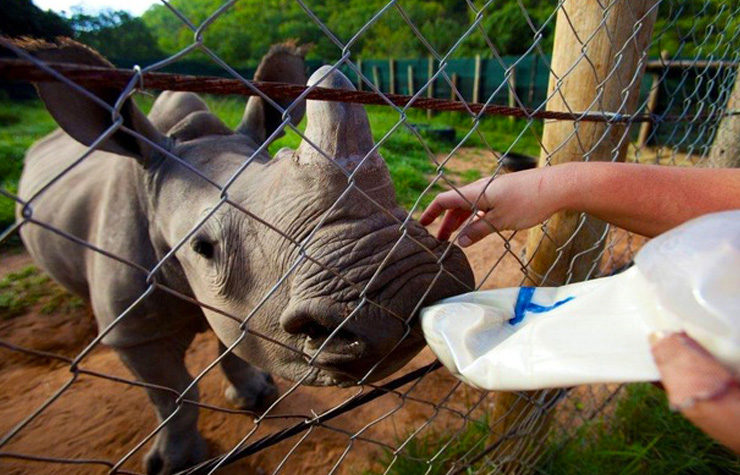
(341, 130)
(80, 116)
(283, 63)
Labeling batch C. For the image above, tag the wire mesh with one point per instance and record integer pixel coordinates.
(86, 411)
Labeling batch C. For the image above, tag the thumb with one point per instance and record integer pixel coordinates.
(476, 230)
(699, 386)
(688, 372)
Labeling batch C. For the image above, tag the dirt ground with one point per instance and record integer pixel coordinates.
(101, 419)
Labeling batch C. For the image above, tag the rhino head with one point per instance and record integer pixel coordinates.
(304, 262)
(357, 270)
(314, 250)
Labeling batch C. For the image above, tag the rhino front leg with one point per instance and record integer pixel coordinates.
(250, 388)
(178, 444)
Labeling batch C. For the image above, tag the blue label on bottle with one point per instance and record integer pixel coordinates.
(524, 304)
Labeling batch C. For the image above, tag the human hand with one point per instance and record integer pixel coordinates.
(513, 201)
(706, 392)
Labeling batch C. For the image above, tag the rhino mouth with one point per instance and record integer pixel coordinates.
(355, 344)
(330, 368)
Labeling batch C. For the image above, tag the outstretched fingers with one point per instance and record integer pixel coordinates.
(453, 219)
(442, 202)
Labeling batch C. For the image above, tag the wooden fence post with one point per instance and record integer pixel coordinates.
(725, 150)
(392, 75)
(652, 104)
(512, 91)
(376, 78)
(410, 77)
(616, 51)
(454, 79)
(359, 76)
(476, 79)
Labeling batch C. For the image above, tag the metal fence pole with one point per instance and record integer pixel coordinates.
(599, 57)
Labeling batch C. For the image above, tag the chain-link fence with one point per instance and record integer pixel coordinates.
(304, 264)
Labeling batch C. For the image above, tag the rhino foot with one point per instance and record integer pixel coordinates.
(174, 456)
(256, 395)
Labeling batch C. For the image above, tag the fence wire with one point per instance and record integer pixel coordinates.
(86, 412)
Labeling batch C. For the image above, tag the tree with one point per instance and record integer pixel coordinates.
(508, 27)
(23, 18)
(116, 34)
(697, 28)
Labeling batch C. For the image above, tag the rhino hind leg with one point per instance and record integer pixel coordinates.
(250, 389)
(178, 445)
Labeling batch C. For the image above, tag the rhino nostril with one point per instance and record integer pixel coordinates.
(301, 323)
(317, 333)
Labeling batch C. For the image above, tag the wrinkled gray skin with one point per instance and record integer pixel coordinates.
(133, 202)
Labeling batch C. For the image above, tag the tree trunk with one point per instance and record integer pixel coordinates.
(726, 147)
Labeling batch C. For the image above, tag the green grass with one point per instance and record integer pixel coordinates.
(21, 124)
(642, 436)
(639, 436)
(441, 449)
(22, 290)
(470, 175)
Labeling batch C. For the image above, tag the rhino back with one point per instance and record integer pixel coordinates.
(98, 201)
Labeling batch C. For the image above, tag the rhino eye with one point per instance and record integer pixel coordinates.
(204, 248)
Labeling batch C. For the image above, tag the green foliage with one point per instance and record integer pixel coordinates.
(442, 23)
(23, 18)
(697, 28)
(507, 27)
(19, 291)
(643, 436)
(115, 34)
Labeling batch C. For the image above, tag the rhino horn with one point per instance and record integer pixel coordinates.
(340, 130)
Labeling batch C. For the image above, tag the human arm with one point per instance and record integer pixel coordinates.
(646, 199)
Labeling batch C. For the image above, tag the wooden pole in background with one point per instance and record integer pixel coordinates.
(512, 91)
(376, 78)
(392, 75)
(410, 74)
(454, 79)
(725, 150)
(652, 104)
(476, 79)
(359, 77)
(566, 250)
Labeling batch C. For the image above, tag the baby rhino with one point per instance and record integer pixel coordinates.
(174, 222)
